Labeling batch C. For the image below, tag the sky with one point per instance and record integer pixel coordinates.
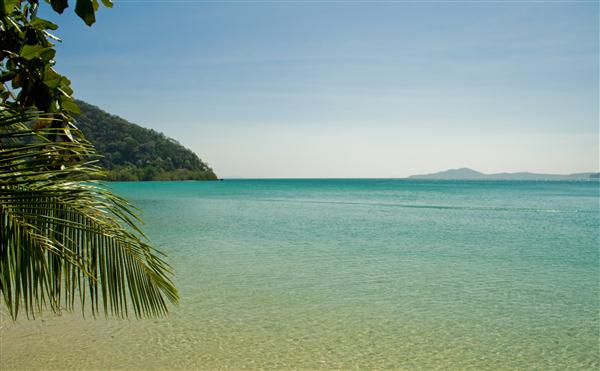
(349, 89)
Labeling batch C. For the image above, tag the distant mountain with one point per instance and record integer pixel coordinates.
(466, 173)
(131, 152)
(462, 173)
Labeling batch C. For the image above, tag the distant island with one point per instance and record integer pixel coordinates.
(466, 173)
(131, 152)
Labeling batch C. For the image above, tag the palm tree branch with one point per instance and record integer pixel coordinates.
(60, 235)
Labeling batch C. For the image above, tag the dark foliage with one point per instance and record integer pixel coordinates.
(131, 152)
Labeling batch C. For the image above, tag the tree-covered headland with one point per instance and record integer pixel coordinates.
(131, 152)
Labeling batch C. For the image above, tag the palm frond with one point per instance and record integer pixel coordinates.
(63, 236)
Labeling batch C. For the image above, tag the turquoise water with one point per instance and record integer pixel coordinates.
(338, 274)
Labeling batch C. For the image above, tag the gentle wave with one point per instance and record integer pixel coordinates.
(413, 206)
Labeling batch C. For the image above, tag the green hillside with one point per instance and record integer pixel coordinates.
(131, 152)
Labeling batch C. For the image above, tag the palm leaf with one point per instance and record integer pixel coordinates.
(63, 236)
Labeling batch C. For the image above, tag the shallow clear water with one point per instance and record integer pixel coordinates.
(369, 274)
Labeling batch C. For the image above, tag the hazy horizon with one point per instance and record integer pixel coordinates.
(233, 177)
(350, 90)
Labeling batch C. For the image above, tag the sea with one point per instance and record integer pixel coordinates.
(370, 274)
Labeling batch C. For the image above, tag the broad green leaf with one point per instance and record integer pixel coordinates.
(107, 3)
(65, 89)
(71, 106)
(48, 54)
(43, 24)
(85, 10)
(51, 78)
(59, 5)
(34, 51)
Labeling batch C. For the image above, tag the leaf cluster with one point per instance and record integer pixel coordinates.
(27, 75)
(62, 238)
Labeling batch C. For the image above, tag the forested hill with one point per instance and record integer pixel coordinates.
(132, 152)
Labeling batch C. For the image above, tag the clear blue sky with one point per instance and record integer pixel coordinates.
(350, 89)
